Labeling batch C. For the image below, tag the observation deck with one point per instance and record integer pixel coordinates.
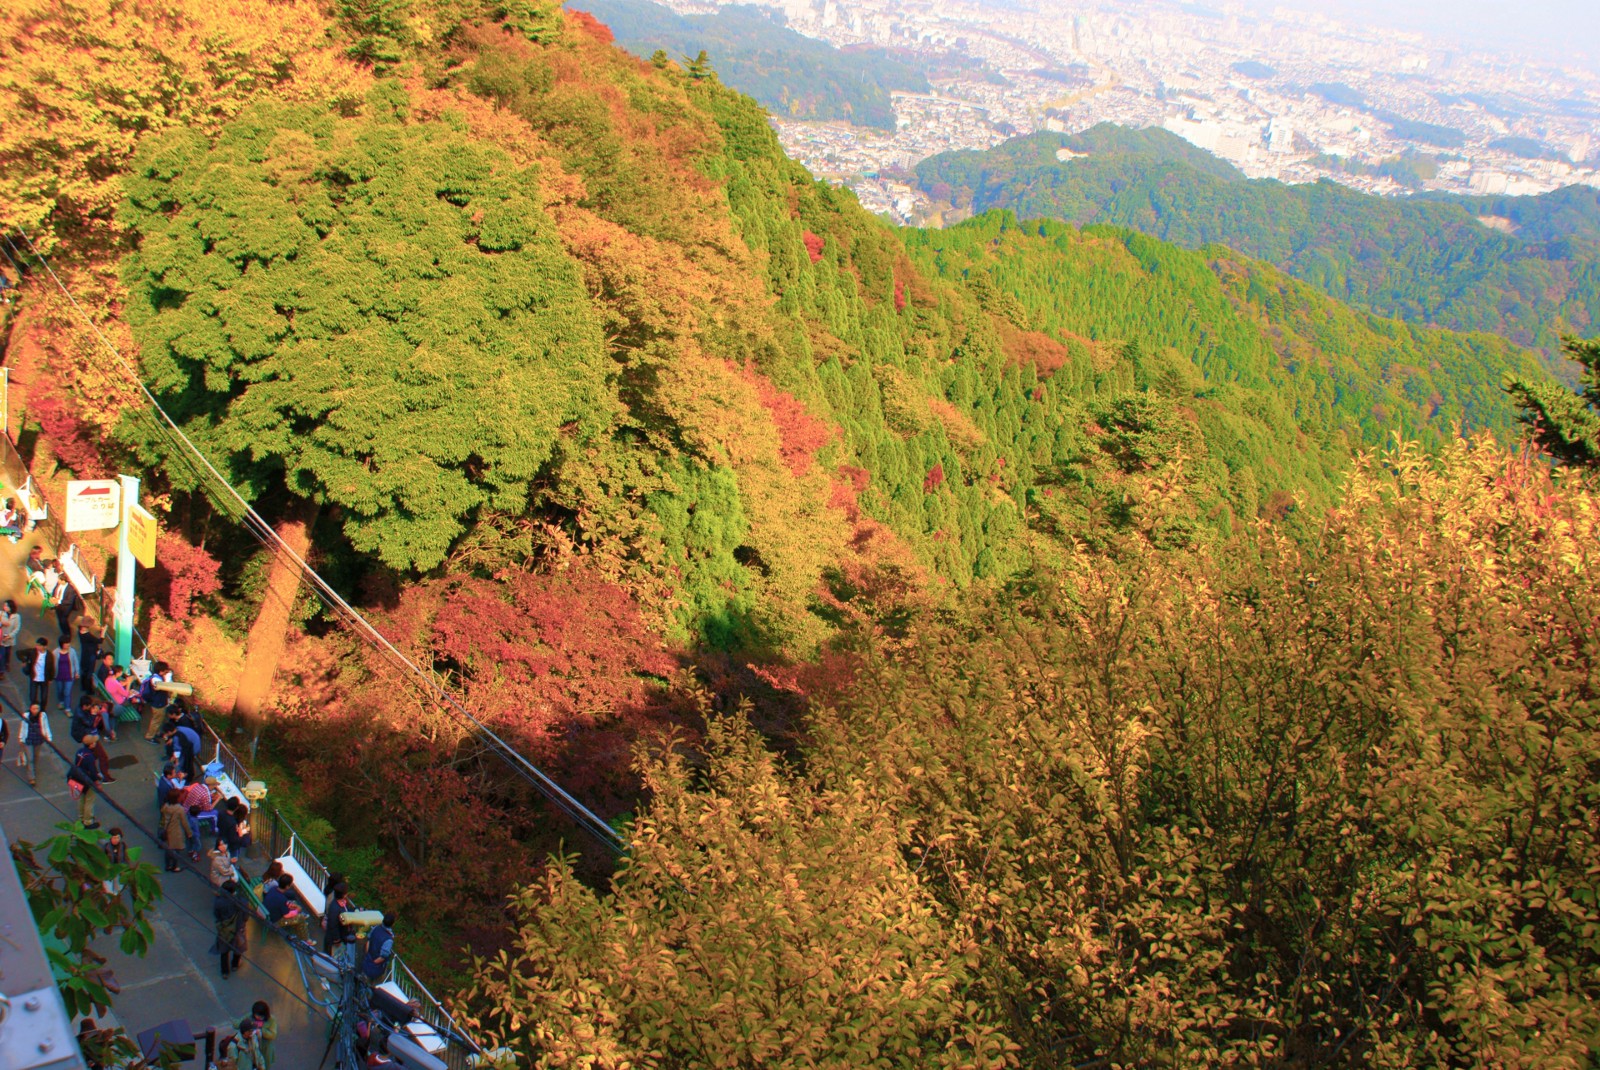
(179, 978)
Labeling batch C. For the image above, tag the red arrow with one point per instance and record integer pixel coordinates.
(86, 491)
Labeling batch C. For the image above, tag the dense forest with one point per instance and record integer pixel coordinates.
(1010, 645)
(792, 75)
(1424, 260)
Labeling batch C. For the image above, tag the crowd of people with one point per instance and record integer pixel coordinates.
(198, 821)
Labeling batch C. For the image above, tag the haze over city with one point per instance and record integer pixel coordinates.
(1348, 91)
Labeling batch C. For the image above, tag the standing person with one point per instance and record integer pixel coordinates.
(88, 648)
(35, 732)
(82, 777)
(266, 1032)
(41, 670)
(174, 829)
(183, 744)
(380, 949)
(245, 1048)
(5, 737)
(221, 864)
(336, 935)
(117, 854)
(228, 828)
(66, 659)
(229, 916)
(241, 816)
(10, 629)
(156, 701)
(68, 605)
(165, 782)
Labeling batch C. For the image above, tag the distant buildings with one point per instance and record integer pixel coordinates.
(1234, 85)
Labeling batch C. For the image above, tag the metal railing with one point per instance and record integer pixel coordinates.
(282, 839)
(460, 1051)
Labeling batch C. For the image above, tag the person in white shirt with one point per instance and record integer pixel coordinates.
(35, 733)
(41, 670)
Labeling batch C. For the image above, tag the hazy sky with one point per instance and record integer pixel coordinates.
(1557, 29)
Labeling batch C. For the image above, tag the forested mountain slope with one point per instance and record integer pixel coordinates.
(1277, 382)
(1423, 260)
(1112, 708)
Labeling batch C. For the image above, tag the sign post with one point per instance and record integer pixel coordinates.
(92, 505)
(122, 608)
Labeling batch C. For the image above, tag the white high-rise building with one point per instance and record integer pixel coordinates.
(1280, 138)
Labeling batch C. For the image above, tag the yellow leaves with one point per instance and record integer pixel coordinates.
(83, 82)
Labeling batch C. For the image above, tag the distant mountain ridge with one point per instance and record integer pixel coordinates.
(750, 48)
(1530, 277)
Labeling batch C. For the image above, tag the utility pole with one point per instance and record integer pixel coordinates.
(122, 608)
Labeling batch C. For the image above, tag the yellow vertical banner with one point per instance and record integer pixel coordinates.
(142, 535)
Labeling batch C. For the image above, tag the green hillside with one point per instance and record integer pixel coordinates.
(1423, 260)
(1005, 646)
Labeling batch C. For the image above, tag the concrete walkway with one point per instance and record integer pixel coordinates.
(178, 978)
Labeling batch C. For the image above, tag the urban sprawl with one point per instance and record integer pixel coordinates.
(1290, 95)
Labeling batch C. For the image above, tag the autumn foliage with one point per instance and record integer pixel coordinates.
(184, 575)
(1307, 802)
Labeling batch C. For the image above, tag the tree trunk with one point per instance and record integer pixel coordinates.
(264, 646)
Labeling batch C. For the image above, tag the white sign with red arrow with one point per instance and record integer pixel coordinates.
(93, 504)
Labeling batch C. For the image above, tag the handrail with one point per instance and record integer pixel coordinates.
(12, 466)
(284, 839)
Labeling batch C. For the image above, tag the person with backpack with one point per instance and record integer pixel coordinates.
(380, 949)
(82, 777)
(34, 733)
(41, 670)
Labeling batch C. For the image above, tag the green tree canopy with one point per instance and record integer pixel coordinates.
(1564, 423)
(374, 312)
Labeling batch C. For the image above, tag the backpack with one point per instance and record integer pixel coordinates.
(75, 774)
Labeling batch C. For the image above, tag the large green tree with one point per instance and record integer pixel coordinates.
(371, 312)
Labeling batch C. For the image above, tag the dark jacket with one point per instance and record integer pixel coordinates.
(337, 932)
(85, 768)
(83, 722)
(31, 655)
(228, 828)
(276, 902)
(380, 949)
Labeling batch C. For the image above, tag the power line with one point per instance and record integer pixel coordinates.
(575, 810)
